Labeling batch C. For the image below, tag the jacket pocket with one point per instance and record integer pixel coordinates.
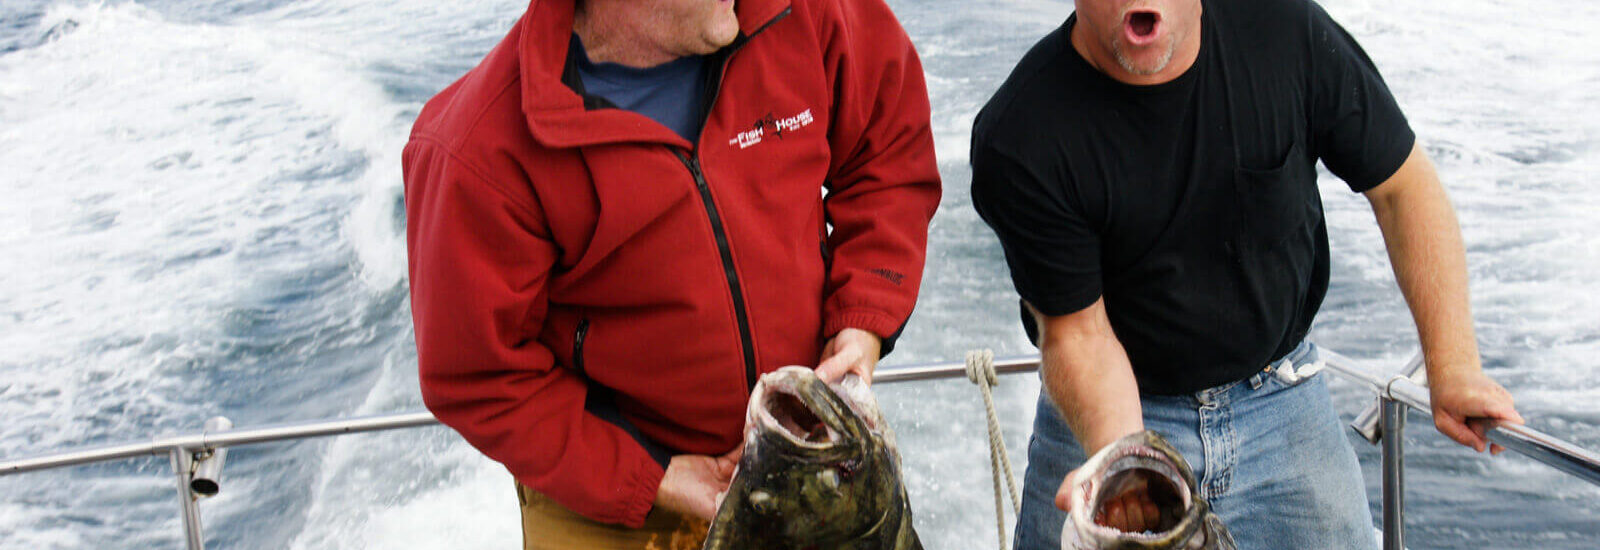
(578, 336)
(1277, 203)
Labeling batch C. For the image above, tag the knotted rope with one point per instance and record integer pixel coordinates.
(980, 370)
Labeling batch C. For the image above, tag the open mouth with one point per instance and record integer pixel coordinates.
(792, 415)
(1159, 476)
(1141, 27)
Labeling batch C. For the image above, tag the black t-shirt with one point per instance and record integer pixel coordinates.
(1191, 206)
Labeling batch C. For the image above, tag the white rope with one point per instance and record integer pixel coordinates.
(980, 370)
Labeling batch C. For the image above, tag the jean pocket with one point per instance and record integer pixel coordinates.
(1277, 203)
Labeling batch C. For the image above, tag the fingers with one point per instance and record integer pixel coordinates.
(1505, 410)
(833, 368)
(726, 464)
(1464, 410)
(1493, 402)
(1064, 494)
(1115, 516)
(852, 350)
(1132, 512)
(1481, 427)
(837, 360)
(734, 455)
(1457, 430)
(845, 359)
(1152, 515)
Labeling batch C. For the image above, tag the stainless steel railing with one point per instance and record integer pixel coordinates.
(1397, 393)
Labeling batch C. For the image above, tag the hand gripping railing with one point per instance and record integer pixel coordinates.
(1401, 391)
(197, 458)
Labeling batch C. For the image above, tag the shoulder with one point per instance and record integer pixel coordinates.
(1020, 136)
(1037, 77)
(453, 116)
(1262, 15)
(1033, 104)
(487, 97)
(1266, 24)
(466, 130)
(845, 12)
(850, 26)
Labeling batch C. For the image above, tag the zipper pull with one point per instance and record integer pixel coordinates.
(694, 168)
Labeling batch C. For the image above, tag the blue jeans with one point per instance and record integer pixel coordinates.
(1271, 458)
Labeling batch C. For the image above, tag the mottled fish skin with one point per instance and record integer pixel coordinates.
(819, 471)
(1187, 522)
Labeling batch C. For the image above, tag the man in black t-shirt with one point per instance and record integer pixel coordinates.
(1149, 168)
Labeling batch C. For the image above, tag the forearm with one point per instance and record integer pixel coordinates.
(1424, 242)
(478, 297)
(883, 183)
(1088, 376)
(1425, 247)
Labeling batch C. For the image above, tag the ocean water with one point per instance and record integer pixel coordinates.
(202, 216)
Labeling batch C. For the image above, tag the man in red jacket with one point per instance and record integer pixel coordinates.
(633, 208)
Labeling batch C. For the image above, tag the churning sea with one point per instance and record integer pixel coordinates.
(200, 214)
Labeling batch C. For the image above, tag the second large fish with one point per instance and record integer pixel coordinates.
(819, 470)
(1186, 521)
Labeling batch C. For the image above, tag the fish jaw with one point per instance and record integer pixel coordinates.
(1106, 474)
(793, 408)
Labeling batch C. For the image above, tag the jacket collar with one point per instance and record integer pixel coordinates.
(556, 114)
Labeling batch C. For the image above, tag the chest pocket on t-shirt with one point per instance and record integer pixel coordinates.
(1276, 203)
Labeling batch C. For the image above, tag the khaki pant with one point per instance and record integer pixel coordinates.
(550, 526)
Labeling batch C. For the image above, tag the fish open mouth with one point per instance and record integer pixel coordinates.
(796, 419)
(1141, 27)
(1163, 481)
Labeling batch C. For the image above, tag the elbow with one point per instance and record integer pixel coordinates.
(437, 394)
(1085, 328)
(442, 386)
(1050, 341)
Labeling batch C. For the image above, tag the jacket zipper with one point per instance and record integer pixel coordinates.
(721, 231)
(692, 162)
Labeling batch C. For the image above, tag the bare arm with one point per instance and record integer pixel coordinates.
(1424, 243)
(1089, 378)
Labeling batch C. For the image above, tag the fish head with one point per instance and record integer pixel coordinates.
(820, 458)
(1140, 458)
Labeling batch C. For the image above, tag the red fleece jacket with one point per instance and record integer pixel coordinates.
(587, 285)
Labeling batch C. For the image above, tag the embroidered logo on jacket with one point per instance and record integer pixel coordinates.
(771, 125)
(890, 274)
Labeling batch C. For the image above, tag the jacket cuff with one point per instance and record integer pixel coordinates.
(640, 492)
(876, 322)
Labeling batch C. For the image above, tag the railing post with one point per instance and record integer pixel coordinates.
(1394, 463)
(182, 463)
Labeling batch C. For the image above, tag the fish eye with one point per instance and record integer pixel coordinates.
(829, 478)
(763, 502)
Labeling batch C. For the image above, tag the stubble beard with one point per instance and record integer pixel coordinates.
(1128, 65)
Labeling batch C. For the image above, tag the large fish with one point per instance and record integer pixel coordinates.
(819, 470)
(1186, 521)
